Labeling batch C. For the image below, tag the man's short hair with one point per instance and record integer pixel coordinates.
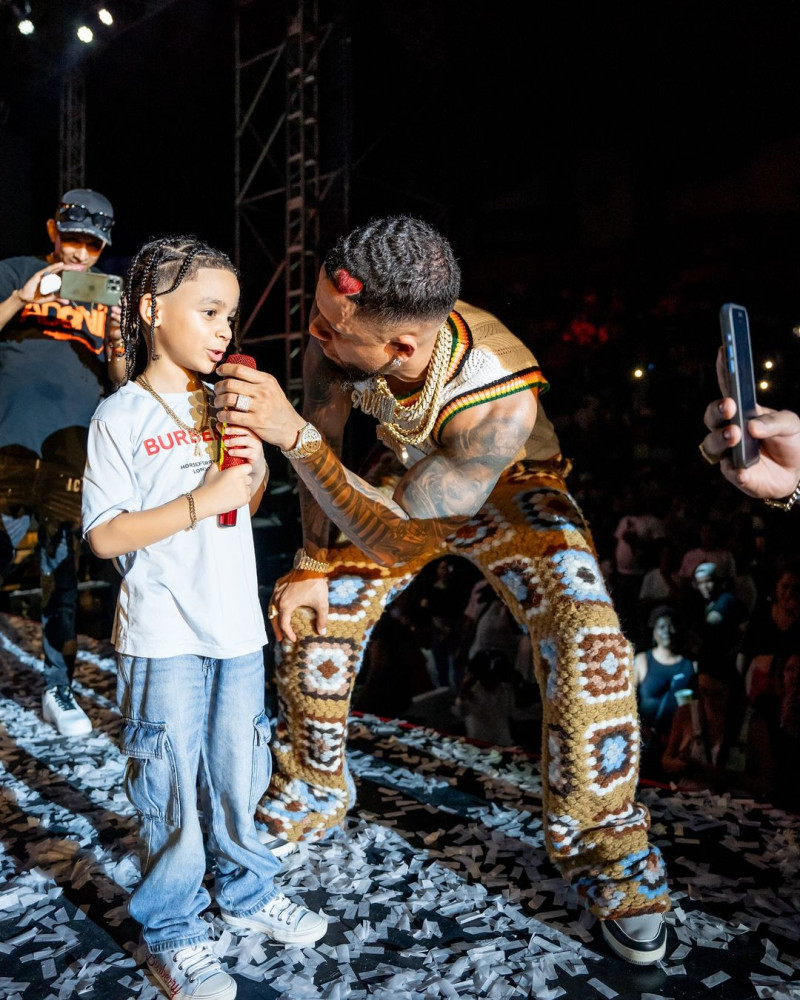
(407, 269)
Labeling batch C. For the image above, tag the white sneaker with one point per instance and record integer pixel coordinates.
(283, 921)
(279, 847)
(191, 972)
(61, 710)
(639, 940)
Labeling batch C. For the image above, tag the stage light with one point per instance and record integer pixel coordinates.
(85, 34)
(769, 365)
(25, 26)
(638, 373)
(763, 384)
(105, 16)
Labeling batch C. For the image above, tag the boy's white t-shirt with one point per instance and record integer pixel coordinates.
(195, 592)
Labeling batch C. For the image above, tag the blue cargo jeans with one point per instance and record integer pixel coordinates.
(189, 721)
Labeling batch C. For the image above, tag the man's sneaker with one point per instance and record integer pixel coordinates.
(639, 940)
(283, 921)
(60, 708)
(279, 847)
(191, 972)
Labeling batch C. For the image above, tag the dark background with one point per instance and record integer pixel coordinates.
(609, 174)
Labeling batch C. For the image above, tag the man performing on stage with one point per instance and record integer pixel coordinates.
(456, 398)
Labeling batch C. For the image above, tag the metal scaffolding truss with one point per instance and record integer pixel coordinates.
(277, 174)
(72, 133)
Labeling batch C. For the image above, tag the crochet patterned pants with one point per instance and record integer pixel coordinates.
(532, 544)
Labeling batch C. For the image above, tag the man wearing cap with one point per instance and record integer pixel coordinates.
(56, 359)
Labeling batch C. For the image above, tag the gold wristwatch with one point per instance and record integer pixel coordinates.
(304, 561)
(308, 441)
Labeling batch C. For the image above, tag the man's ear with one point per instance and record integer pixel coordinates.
(144, 310)
(404, 347)
(52, 231)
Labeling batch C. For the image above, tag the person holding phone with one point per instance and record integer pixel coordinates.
(775, 477)
(57, 358)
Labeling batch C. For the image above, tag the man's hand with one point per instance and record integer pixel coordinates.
(777, 472)
(30, 290)
(113, 324)
(270, 415)
(291, 593)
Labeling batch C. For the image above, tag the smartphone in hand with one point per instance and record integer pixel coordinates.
(87, 286)
(741, 386)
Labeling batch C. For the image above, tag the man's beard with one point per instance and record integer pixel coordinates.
(349, 376)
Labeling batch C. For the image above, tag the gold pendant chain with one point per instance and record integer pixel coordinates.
(195, 433)
(380, 402)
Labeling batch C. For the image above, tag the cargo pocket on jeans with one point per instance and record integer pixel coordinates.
(262, 759)
(151, 781)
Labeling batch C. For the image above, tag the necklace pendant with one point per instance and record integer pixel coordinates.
(383, 408)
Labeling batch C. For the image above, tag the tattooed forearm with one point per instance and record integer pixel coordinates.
(380, 528)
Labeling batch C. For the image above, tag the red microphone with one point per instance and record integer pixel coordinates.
(226, 461)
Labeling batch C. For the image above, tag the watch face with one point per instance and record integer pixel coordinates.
(310, 437)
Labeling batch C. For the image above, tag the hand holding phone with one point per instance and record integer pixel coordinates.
(51, 282)
(739, 378)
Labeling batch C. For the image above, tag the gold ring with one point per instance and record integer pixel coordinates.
(272, 612)
(711, 459)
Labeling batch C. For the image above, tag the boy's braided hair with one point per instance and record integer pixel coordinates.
(158, 268)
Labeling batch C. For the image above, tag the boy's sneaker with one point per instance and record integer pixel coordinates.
(639, 940)
(61, 710)
(283, 921)
(191, 972)
(279, 847)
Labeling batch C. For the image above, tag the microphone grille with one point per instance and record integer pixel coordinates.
(241, 359)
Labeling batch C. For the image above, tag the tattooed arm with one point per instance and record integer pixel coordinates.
(432, 499)
(327, 407)
(436, 495)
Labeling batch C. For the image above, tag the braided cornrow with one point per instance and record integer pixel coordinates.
(158, 268)
(406, 269)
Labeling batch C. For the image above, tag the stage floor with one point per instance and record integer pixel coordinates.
(438, 886)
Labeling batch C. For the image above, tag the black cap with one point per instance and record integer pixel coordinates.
(85, 211)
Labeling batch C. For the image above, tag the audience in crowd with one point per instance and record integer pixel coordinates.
(773, 630)
(709, 549)
(773, 736)
(660, 674)
(486, 700)
(696, 753)
(638, 536)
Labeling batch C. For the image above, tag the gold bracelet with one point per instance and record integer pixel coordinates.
(302, 560)
(192, 511)
(788, 503)
(118, 348)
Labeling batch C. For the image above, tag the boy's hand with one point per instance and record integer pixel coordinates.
(240, 442)
(223, 490)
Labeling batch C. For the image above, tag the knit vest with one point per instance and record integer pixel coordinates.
(487, 362)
